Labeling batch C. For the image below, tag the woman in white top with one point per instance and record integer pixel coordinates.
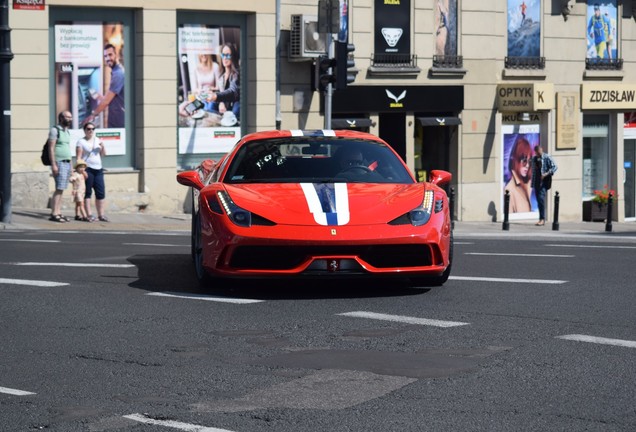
(91, 149)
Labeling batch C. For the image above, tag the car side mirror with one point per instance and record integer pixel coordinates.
(190, 178)
(440, 177)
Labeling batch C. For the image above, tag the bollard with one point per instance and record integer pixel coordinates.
(555, 223)
(451, 205)
(506, 225)
(608, 221)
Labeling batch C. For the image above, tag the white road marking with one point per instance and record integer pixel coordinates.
(508, 280)
(73, 264)
(404, 319)
(31, 282)
(599, 340)
(205, 298)
(464, 243)
(173, 424)
(519, 255)
(591, 246)
(15, 392)
(31, 241)
(155, 244)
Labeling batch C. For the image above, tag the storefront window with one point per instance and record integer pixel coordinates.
(595, 153)
(210, 86)
(92, 72)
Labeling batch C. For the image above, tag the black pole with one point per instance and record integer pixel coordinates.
(506, 225)
(555, 223)
(608, 221)
(451, 204)
(5, 110)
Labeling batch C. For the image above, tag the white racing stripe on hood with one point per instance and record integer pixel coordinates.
(339, 211)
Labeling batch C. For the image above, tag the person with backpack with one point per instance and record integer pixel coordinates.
(60, 155)
(543, 168)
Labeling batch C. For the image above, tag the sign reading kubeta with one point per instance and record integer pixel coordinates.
(608, 96)
(525, 97)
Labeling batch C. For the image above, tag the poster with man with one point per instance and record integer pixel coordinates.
(524, 28)
(601, 30)
(90, 80)
(209, 88)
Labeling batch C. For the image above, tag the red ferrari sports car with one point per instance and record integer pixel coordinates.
(324, 203)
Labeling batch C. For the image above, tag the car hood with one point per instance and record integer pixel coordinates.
(327, 203)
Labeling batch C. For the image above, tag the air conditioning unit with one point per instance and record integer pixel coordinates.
(304, 40)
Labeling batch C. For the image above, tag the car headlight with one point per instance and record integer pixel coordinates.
(239, 216)
(419, 215)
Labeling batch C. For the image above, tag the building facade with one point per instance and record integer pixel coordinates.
(450, 84)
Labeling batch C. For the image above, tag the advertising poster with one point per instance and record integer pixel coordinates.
(601, 30)
(89, 77)
(209, 86)
(524, 28)
(518, 149)
(446, 27)
(393, 27)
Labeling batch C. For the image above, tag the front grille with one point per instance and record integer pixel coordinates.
(288, 257)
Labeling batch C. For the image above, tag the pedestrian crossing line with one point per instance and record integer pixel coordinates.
(403, 319)
(188, 427)
(30, 240)
(31, 282)
(591, 246)
(519, 255)
(73, 264)
(508, 280)
(205, 298)
(155, 244)
(599, 340)
(15, 392)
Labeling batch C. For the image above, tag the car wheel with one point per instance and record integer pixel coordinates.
(197, 252)
(192, 224)
(437, 280)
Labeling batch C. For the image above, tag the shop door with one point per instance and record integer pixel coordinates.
(392, 129)
(630, 178)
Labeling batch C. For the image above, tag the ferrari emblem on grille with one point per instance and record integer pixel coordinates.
(334, 265)
(333, 231)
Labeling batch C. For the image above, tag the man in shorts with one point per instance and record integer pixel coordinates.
(60, 155)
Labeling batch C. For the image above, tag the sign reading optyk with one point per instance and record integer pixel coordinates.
(525, 97)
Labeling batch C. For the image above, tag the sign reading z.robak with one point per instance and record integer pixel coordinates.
(608, 96)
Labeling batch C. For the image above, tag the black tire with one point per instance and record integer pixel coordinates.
(192, 220)
(203, 277)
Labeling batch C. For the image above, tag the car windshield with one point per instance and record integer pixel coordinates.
(316, 159)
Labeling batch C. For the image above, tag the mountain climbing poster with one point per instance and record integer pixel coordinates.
(524, 28)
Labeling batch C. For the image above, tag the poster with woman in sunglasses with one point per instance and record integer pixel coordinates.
(518, 147)
(209, 90)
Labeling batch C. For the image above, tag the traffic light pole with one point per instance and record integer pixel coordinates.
(5, 112)
(329, 89)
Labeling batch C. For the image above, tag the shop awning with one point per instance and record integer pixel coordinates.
(348, 123)
(439, 121)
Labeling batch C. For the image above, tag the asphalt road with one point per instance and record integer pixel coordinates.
(108, 331)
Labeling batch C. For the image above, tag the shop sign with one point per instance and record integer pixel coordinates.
(525, 97)
(608, 96)
(568, 120)
(29, 4)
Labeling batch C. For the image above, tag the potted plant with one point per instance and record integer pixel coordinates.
(595, 210)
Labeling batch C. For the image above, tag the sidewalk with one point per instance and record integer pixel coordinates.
(38, 219)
